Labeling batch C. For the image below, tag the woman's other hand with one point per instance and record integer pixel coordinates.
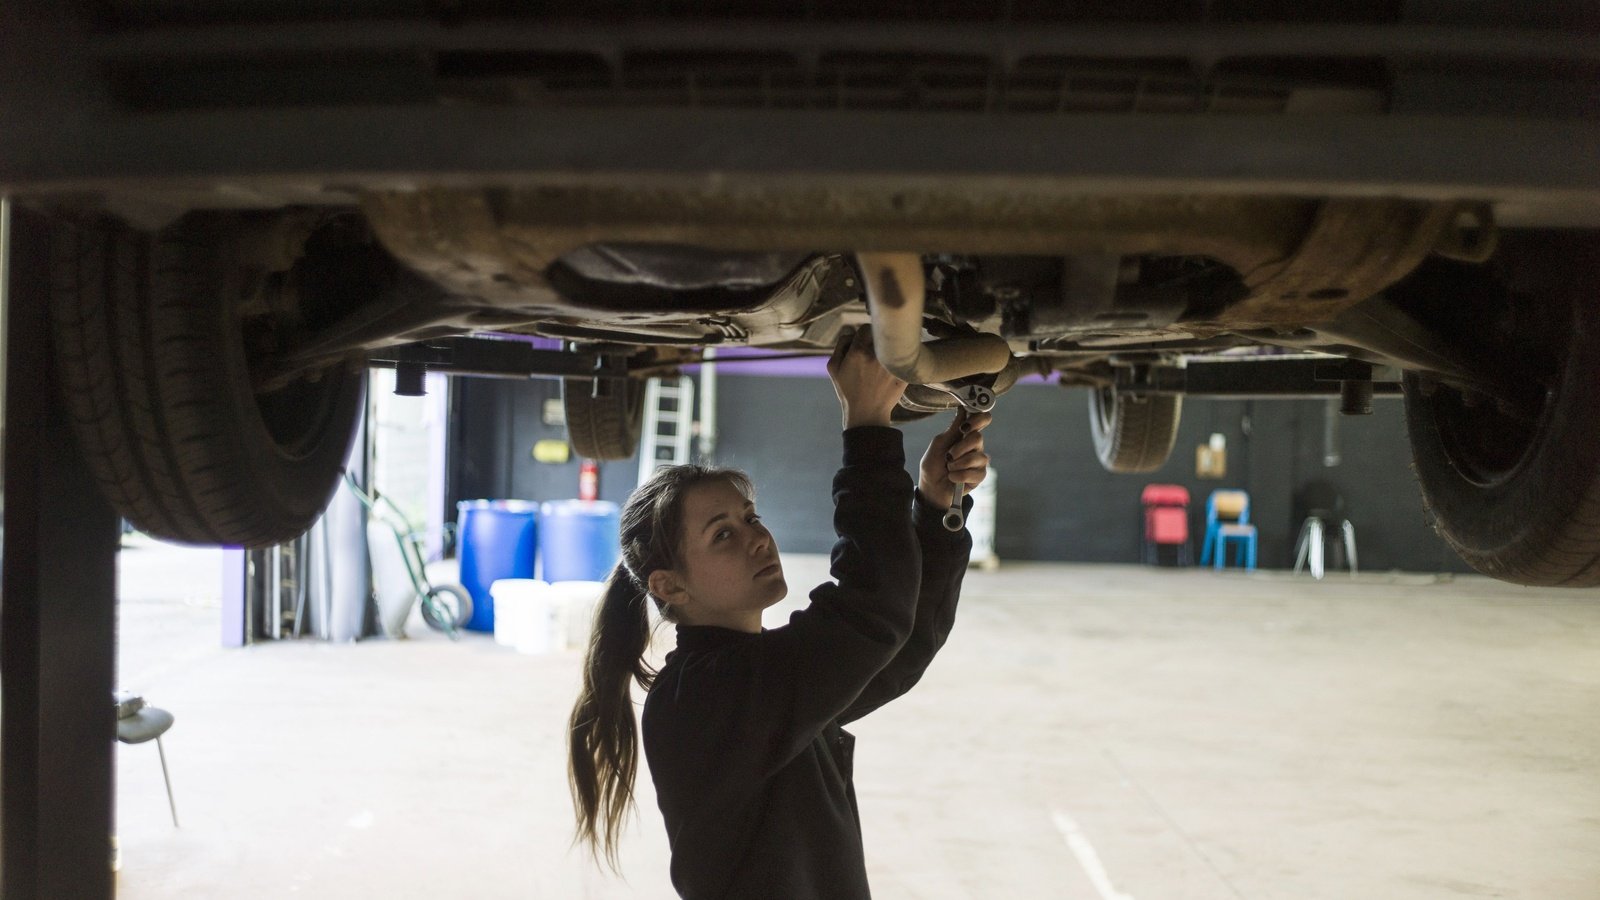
(955, 456)
(867, 392)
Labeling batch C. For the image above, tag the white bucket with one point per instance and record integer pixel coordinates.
(981, 523)
(575, 603)
(521, 612)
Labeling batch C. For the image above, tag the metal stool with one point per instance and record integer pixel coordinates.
(1324, 509)
(138, 723)
(1310, 545)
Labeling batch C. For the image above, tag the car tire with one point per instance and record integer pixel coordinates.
(151, 352)
(1518, 500)
(1133, 433)
(607, 426)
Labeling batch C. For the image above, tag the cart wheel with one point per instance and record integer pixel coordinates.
(447, 608)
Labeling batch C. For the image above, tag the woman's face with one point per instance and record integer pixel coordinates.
(730, 562)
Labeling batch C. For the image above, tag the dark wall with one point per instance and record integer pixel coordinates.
(1054, 500)
(494, 425)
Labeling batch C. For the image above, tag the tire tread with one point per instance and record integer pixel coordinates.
(137, 322)
(605, 427)
(1140, 434)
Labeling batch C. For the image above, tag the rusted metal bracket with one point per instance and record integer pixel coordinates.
(1352, 250)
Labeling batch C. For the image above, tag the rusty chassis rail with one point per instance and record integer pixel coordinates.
(1203, 379)
(512, 358)
(1272, 379)
(501, 358)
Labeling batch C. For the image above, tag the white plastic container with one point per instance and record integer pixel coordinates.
(575, 603)
(981, 524)
(538, 632)
(521, 612)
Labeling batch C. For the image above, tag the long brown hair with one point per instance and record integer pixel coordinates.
(603, 731)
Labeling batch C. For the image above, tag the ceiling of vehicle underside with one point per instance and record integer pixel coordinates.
(164, 106)
(1552, 13)
(132, 12)
(1216, 56)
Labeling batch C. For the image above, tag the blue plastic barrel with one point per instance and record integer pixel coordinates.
(579, 540)
(497, 539)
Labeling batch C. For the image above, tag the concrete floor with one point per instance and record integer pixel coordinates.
(1089, 732)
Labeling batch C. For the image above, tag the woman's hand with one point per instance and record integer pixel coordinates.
(955, 456)
(867, 392)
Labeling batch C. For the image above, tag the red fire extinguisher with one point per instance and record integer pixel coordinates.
(589, 480)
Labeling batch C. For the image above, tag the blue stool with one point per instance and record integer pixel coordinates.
(1228, 521)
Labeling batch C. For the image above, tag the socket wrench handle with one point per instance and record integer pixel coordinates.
(974, 398)
(954, 518)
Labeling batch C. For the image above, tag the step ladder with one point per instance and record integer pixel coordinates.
(668, 421)
(285, 586)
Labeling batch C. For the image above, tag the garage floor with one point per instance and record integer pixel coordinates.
(1089, 732)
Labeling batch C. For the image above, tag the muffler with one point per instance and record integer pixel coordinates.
(896, 298)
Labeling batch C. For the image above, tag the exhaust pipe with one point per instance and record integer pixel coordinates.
(896, 298)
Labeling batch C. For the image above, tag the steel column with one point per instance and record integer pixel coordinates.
(57, 618)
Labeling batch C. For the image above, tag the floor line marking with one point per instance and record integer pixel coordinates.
(1167, 817)
(1087, 857)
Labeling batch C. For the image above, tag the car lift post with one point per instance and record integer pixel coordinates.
(57, 617)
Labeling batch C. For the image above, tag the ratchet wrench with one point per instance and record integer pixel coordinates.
(974, 398)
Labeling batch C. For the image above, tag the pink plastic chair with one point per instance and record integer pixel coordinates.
(1166, 522)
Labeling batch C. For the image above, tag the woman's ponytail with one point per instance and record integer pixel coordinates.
(604, 754)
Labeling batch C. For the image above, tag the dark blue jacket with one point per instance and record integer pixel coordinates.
(742, 731)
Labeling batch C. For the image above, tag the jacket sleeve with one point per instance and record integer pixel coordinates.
(944, 564)
(758, 703)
